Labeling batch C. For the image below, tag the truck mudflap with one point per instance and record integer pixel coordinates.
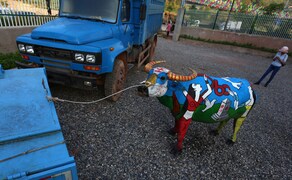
(32, 145)
(65, 78)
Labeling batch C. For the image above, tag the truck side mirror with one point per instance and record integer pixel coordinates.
(143, 12)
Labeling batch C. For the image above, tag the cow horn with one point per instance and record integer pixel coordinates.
(176, 77)
(149, 65)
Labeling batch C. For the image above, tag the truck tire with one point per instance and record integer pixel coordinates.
(151, 52)
(115, 81)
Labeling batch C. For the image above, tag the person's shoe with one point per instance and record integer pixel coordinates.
(256, 83)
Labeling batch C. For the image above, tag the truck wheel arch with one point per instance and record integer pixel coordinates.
(123, 57)
(119, 52)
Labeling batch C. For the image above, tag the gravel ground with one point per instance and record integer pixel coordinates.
(128, 139)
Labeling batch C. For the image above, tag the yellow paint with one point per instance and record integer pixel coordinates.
(238, 124)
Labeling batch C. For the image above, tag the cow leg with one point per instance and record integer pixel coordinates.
(237, 124)
(174, 130)
(182, 128)
(219, 128)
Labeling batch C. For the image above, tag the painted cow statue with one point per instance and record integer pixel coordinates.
(199, 97)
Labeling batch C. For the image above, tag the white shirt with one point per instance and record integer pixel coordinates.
(283, 57)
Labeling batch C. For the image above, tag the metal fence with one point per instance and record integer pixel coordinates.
(16, 13)
(241, 23)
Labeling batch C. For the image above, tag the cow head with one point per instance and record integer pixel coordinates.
(159, 78)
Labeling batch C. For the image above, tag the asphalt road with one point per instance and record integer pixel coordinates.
(128, 139)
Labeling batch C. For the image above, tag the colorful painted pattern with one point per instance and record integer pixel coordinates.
(203, 98)
(227, 97)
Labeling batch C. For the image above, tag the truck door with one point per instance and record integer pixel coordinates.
(127, 28)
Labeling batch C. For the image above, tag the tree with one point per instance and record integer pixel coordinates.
(4, 3)
(172, 5)
(274, 7)
(268, 2)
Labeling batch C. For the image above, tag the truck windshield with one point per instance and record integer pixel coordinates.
(88, 9)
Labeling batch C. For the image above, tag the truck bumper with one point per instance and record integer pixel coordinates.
(67, 79)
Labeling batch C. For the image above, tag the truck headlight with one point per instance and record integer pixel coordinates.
(29, 49)
(21, 47)
(79, 57)
(90, 58)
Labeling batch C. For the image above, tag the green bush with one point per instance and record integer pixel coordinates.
(8, 60)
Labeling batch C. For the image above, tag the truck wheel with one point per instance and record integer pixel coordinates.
(115, 81)
(151, 52)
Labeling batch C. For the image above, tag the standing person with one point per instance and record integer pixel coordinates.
(168, 28)
(278, 61)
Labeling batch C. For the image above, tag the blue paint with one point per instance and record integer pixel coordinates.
(242, 92)
(78, 33)
(74, 31)
(29, 123)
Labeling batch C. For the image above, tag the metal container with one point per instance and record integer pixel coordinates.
(31, 142)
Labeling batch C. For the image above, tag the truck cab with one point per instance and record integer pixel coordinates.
(92, 43)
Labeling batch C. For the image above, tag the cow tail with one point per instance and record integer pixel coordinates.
(255, 96)
(250, 106)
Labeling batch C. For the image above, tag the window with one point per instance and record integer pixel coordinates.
(125, 11)
(97, 9)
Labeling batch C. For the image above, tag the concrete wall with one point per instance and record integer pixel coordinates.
(217, 35)
(8, 37)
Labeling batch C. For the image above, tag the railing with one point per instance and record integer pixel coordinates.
(16, 13)
(24, 20)
(241, 23)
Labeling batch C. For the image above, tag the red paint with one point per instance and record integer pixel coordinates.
(220, 90)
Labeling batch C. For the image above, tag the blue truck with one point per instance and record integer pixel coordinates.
(93, 43)
(32, 145)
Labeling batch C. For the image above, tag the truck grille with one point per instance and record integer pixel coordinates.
(63, 54)
(60, 54)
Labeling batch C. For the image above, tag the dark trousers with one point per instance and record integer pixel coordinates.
(274, 70)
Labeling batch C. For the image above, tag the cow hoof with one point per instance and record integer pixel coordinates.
(229, 142)
(176, 152)
(171, 132)
(214, 133)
